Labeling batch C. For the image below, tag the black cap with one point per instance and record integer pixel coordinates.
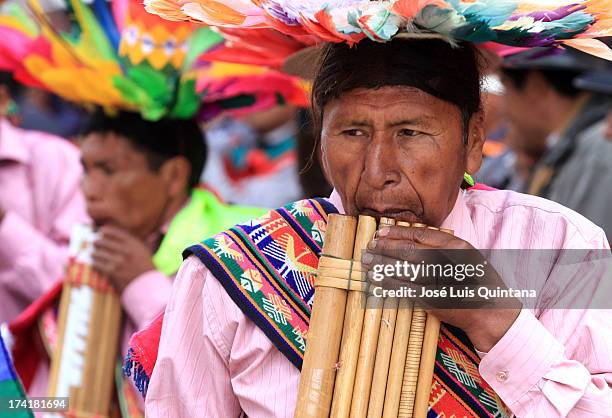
(596, 81)
(551, 59)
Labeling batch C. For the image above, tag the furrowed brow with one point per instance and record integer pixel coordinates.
(422, 121)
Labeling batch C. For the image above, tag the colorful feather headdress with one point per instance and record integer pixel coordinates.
(528, 23)
(117, 56)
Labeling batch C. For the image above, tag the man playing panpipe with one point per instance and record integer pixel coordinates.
(400, 125)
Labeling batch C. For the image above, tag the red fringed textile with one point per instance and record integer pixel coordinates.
(142, 354)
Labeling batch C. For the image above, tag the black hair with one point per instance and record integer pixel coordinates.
(6, 79)
(310, 171)
(158, 140)
(450, 73)
(562, 81)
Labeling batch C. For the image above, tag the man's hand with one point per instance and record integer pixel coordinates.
(485, 326)
(121, 256)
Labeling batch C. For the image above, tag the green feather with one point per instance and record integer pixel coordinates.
(187, 100)
(201, 41)
(159, 87)
(131, 91)
(93, 37)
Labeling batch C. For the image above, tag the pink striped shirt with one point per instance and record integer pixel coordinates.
(214, 362)
(40, 192)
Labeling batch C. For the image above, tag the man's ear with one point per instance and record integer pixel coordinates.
(324, 159)
(475, 143)
(5, 99)
(175, 174)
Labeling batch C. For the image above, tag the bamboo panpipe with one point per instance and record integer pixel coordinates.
(364, 357)
(83, 363)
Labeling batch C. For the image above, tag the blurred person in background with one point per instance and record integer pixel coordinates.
(143, 193)
(40, 200)
(544, 107)
(252, 155)
(599, 82)
(45, 112)
(518, 149)
(510, 152)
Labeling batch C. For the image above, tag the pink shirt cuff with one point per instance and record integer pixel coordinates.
(521, 358)
(146, 296)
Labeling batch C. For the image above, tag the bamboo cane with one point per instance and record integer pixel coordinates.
(326, 323)
(411, 367)
(426, 369)
(351, 334)
(383, 357)
(398, 359)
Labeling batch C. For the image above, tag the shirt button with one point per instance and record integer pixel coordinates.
(502, 376)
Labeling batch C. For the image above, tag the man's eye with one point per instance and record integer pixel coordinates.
(353, 132)
(408, 132)
(107, 170)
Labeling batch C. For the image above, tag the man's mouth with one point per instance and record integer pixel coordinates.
(99, 219)
(399, 214)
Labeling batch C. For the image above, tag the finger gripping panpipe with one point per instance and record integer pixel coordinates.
(365, 356)
(82, 364)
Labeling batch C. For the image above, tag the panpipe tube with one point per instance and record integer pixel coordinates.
(92, 355)
(62, 320)
(398, 359)
(428, 361)
(426, 369)
(325, 329)
(105, 305)
(383, 358)
(367, 350)
(353, 322)
(412, 364)
(112, 318)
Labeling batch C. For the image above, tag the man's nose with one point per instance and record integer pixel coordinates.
(91, 188)
(381, 167)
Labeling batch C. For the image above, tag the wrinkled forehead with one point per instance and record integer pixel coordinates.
(108, 147)
(390, 105)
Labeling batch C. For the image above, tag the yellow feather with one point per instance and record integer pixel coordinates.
(591, 46)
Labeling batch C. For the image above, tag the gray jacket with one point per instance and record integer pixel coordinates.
(582, 163)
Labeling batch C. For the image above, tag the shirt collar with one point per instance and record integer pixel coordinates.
(12, 147)
(336, 200)
(459, 219)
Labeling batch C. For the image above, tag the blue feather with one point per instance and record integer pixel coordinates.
(101, 9)
(491, 12)
(574, 23)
